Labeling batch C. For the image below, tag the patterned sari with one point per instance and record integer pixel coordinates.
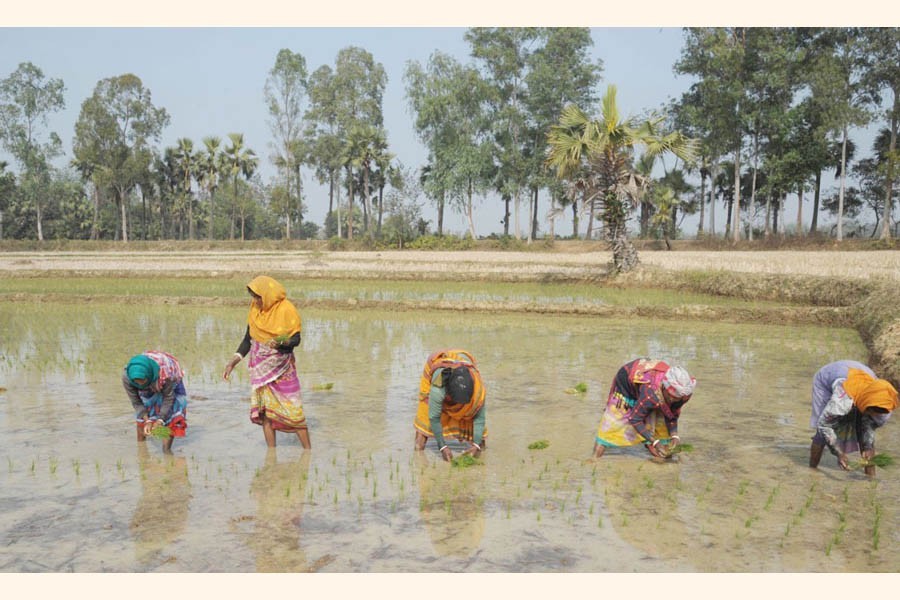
(276, 389)
(457, 420)
(152, 397)
(637, 380)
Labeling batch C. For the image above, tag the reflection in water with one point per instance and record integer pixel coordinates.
(162, 510)
(451, 506)
(641, 499)
(279, 490)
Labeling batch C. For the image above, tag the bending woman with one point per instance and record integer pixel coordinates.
(643, 406)
(273, 331)
(848, 404)
(451, 403)
(154, 382)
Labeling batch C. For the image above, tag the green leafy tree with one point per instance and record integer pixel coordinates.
(359, 83)
(560, 72)
(286, 93)
(115, 128)
(882, 73)
(323, 132)
(7, 189)
(836, 82)
(502, 54)
(606, 145)
(27, 99)
(717, 57)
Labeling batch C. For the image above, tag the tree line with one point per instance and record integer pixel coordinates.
(769, 112)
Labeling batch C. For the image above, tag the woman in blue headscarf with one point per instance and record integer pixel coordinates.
(154, 381)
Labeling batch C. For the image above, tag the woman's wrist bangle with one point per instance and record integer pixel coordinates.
(675, 437)
(655, 442)
(238, 356)
(444, 447)
(477, 446)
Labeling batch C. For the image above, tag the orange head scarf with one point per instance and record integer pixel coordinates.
(278, 316)
(866, 391)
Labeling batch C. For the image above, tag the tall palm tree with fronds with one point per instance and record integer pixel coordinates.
(211, 166)
(187, 167)
(238, 161)
(607, 146)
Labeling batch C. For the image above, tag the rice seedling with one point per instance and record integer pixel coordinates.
(32, 466)
(9, 462)
(464, 461)
(53, 465)
(771, 498)
(538, 445)
(323, 387)
(879, 460)
(580, 388)
(76, 466)
(876, 528)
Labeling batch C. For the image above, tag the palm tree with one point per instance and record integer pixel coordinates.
(211, 166)
(238, 161)
(607, 146)
(187, 165)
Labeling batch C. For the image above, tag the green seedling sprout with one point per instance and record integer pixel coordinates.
(323, 387)
(879, 460)
(580, 388)
(538, 445)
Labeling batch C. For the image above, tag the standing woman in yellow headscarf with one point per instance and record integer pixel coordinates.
(859, 404)
(273, 331)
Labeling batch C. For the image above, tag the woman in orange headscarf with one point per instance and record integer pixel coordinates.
(859, 404)
(273, 331)
(451, 403)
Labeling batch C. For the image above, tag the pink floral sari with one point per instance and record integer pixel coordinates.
(276, 389)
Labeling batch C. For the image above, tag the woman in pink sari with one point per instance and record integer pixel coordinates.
(273, 331)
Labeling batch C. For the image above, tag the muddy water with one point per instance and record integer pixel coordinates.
(80, 494)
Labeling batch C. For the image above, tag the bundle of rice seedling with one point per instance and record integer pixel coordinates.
(681, 448)
(464, 460)
(322, 386)
(161, 432)
(538, 445)
(879, 460)
(579, 388)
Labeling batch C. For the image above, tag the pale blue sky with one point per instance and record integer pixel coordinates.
(210, 80)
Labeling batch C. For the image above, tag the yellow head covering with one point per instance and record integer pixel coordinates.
(278, 316)
(866, 391)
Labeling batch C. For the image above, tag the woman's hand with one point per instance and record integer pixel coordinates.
(446, 454)
(473, 450)
(230, 366)
(149, 426)
(842, 461)
(655, 450)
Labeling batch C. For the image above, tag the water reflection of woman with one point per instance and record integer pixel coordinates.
(848, 404)
(643, 407)
(279, 490)
(451, 403)
(450, 507)
(162, 510)
(273, 331)
(154, 382)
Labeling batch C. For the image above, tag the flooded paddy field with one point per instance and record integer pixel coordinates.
(80, 494)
